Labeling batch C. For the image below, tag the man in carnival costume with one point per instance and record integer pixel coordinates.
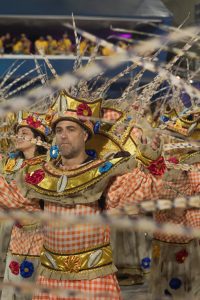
(27, 237)
(79, 257)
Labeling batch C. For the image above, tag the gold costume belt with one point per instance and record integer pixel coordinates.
(77, 262)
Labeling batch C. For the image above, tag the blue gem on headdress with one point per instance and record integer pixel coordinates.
(175, 283)
(92, 153)
(97, 126)
(164, 119)
(13, 155)
(47, 131)
(26, 269)
(54, 151)
(146, 263)
(105, 167)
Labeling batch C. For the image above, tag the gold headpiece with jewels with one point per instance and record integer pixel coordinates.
(186, 123)
(78, 110)
(123, 132)
(33, 120)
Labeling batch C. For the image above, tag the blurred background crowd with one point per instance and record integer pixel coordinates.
(50, 45)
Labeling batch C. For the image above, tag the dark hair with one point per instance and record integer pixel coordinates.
(40, 150)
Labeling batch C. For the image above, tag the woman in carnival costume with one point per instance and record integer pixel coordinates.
(27, 237)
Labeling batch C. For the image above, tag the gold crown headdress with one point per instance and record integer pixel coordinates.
(78, 110)
(33, 120)
(185, 123)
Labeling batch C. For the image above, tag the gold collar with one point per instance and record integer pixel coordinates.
(77, 179)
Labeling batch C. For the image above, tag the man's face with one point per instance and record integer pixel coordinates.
(70, 138)
(22, 144)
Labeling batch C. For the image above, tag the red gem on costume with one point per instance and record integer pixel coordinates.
(35, 177)
(31, 121)
(84, 110)
(14, 267)
(181, 256)
(173, 160)
(157, 167)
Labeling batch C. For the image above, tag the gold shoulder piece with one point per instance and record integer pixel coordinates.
(78, 179)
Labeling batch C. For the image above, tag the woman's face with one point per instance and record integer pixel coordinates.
(22, 142)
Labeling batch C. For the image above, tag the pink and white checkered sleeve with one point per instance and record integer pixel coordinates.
(193, 218)
(138, 186)
(194, 180)
(11, 197)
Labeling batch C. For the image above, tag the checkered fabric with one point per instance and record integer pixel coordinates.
(129, 188)
(77, 237)
(188, 217)
(174, 216)
(102, 288)
(193, 217)
(26, 242)
(138, 186)
(126, 189)
(194, 179)
(22, 241)
(11, 197)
